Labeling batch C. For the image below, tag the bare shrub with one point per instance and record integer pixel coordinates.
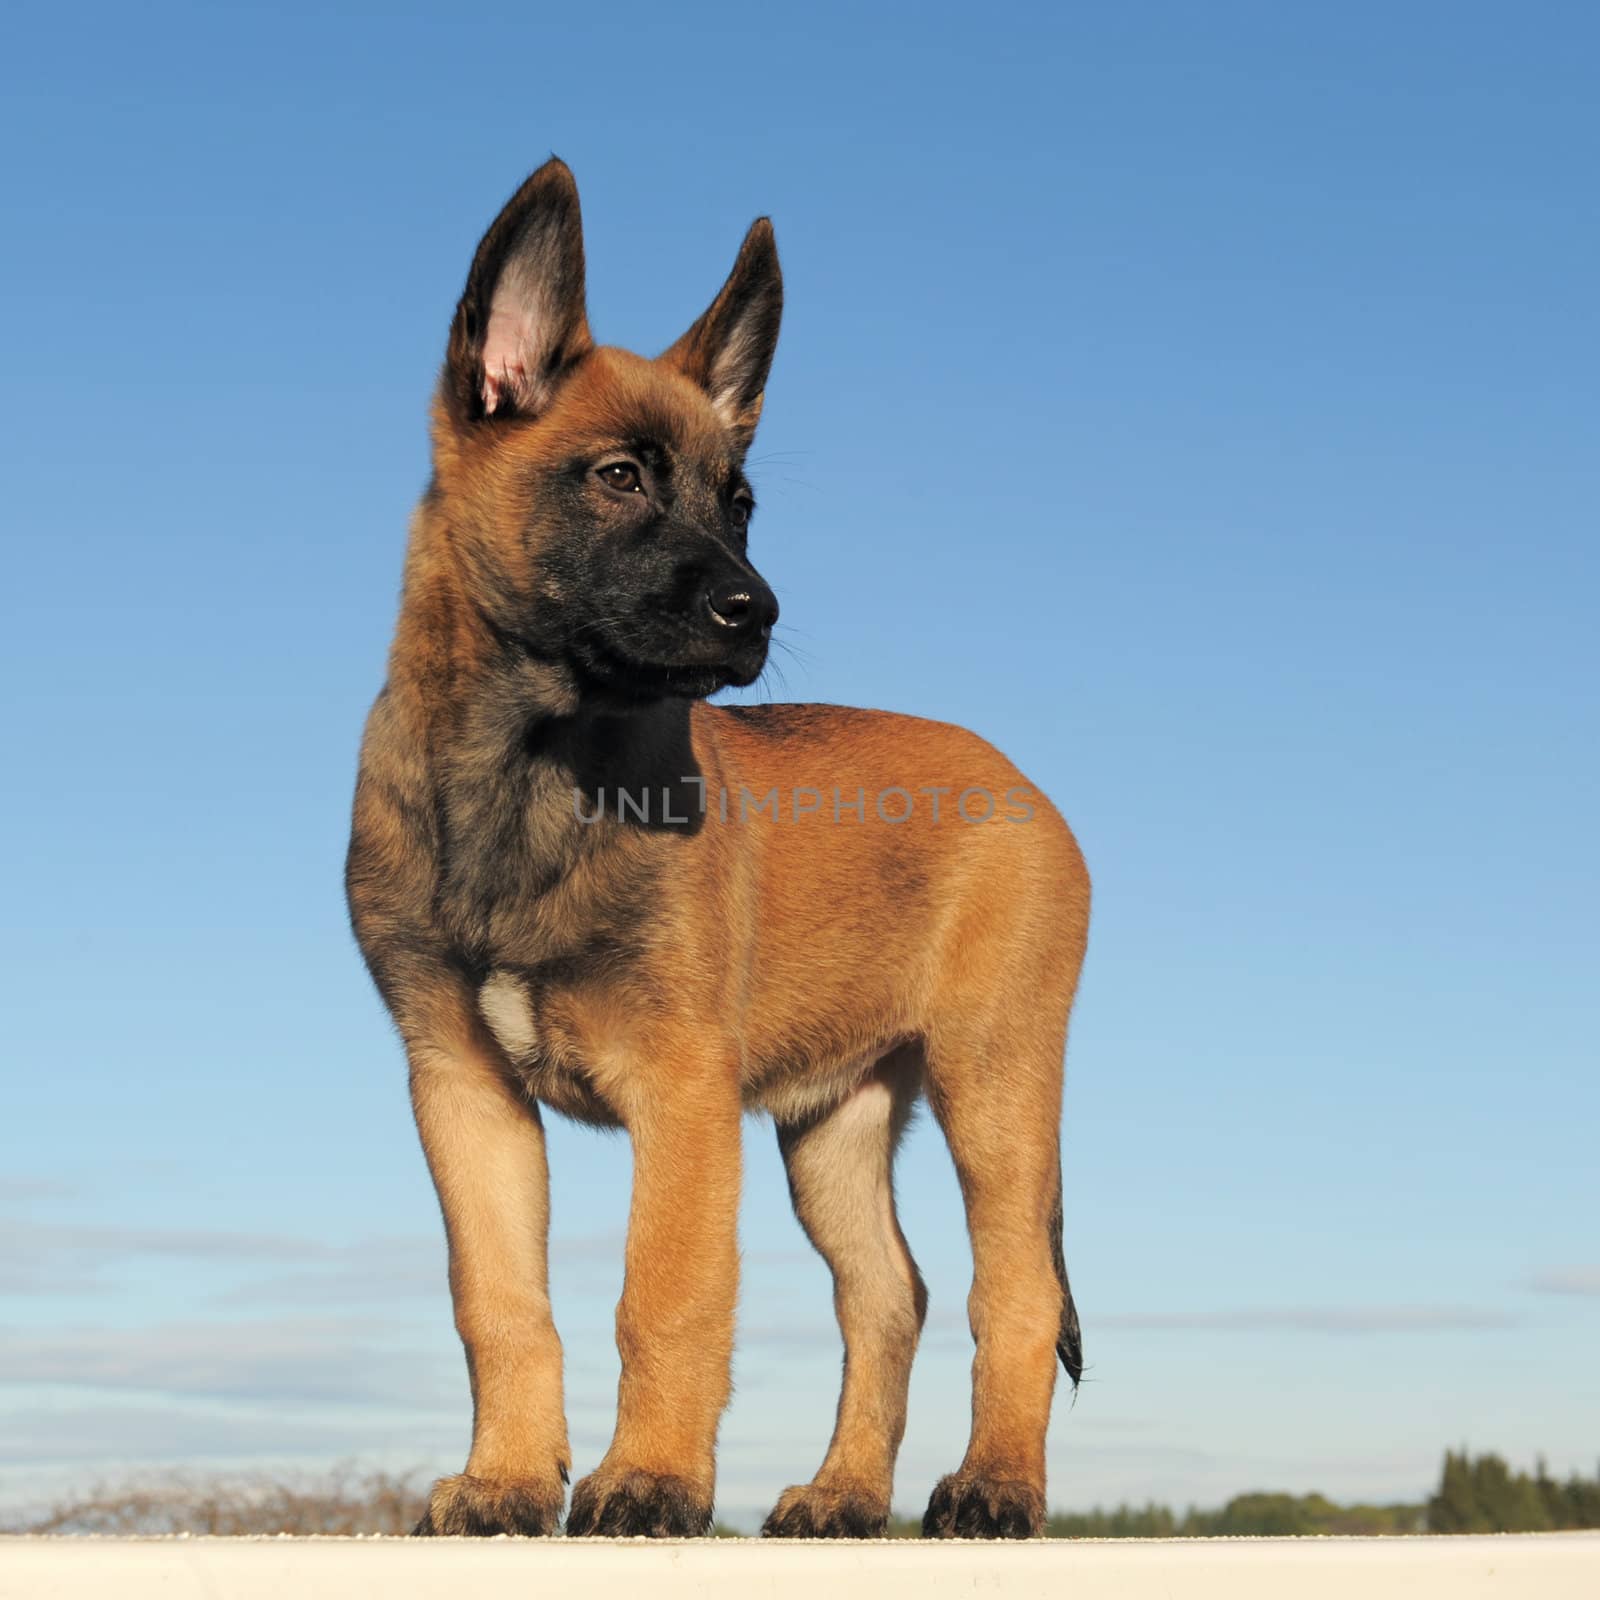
(347, 1500)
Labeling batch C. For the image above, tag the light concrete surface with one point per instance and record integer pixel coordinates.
(1551, 1566)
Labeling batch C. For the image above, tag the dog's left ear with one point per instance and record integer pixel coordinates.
(521, 323)
(728, 352)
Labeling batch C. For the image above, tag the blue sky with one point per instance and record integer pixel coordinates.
(1213, 390)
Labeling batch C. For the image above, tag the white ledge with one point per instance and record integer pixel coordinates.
(1548, 1566)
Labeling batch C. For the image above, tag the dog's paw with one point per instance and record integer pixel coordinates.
(810, 1512)
(630, 1504)
(465, 1507)
(971, 1505)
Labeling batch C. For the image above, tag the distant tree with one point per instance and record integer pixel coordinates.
(1124, 1522)
(1494, 1494)
(1453, 1507)
(1583, 1501)
(1484, 1495)
(1278, 1514)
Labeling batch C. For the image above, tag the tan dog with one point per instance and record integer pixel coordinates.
(576, 884)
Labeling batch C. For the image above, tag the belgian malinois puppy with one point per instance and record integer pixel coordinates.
(578, 885)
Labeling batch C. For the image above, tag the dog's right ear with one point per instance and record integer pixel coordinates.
(521, 322)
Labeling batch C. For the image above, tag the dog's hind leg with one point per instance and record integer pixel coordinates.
(996, 1091)
(840, 1177)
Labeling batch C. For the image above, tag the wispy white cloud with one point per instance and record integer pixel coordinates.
(384, 1271)
(22, 1275)
(227, 1269)
(333, 1360)
(789, 1335)
(379, 1272)
(106, 1433)
(1315, 1319)
(781, 1258)
(948, 1330)
(1582, 1280)
(70, 1258)
(18, 1189)
(109, 1241)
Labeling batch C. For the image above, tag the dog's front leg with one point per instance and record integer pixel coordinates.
(675, 1319)
(485, 1147)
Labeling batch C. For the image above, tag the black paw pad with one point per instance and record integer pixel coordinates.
(975, 1507)
(810, 1513)
(638, 1504)
(465, 1507)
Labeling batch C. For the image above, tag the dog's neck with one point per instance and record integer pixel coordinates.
(491, 706)
(526, 764)
(489, 703)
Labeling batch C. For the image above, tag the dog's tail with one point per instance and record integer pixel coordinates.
(1069, 1344)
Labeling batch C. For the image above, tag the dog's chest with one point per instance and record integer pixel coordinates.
(540, 1047)
(505, 852)
(506, 1005)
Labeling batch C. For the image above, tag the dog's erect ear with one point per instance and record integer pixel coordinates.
(728, 352)
(521, 321)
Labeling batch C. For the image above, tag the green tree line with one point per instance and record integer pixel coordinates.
(1484, 1495)
(1475, 1494)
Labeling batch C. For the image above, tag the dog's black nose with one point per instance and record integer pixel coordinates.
(746, 604)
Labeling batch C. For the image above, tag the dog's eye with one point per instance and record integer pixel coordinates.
(743, 506)
(622, 476)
